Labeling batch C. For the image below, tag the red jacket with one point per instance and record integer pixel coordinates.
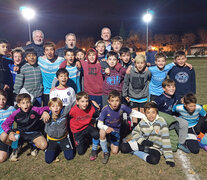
(80, 119)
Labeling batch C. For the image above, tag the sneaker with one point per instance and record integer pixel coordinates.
(203, 146)
(13, 156)
(34, 152)
(184, 148)
(105, 158)
(93, 155)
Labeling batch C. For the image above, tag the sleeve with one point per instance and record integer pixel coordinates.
(101, 125)
(63, 64)
(126, 85)
(202, 112)
(137, 134)
(166, 144)
(8, 122)
(193, 81)
(54, 82)
(73, 98)
(169, 66)
(174, 108)
(159, 102)
(40, 110)
(19, 81)
(103, 115)
(127, 109)
(104, 65)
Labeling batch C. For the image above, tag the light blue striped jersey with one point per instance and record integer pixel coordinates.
(48, 70)
(4, 114)
(74, 75)
(191, 118)
(158, 76)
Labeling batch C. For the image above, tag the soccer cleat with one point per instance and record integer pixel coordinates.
(34, 152)
(105, 158)
(93, 155)
(184, 148)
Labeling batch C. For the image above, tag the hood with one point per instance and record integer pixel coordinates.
(94, 51)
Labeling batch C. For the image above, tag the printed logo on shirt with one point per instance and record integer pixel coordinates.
(92, 71)
(114, 80)
(108, 115)
(182, 77)
(68, 93)
(32, 116)
(157, 131)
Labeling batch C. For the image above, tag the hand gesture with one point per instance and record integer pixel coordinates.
(45, 117)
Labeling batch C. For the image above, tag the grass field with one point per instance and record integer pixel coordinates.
(120, 167)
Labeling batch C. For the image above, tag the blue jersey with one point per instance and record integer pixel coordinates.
(158, 76)
(48, 70)
(4, 114)
(112, 118)
(191, 118)
(74, 78)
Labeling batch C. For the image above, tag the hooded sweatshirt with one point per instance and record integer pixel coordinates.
(93, 80)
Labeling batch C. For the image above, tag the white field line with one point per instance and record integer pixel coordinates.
(187, 168)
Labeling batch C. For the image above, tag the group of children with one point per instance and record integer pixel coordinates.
(116, 91)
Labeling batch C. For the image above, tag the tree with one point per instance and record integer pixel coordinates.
(203, 35)
(133, 40)
(187, 40)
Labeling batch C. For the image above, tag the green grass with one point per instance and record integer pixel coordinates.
(121, 166)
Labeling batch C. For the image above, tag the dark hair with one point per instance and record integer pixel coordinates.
(81, 94)
(30, 51)
(150, 105)
(80, 50)
(69, 50)
(3, 41)
(22, 96)
(179, 53)
(124, 50)
(190, 98)
(49, 44)
(62, 71)
(3, 93)
(160, 55)
(112, 53)
(168, 82)
(114, 94)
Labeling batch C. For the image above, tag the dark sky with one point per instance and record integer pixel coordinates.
(86, 17)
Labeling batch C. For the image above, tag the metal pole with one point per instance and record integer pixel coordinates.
(147, 38)
(30, 38)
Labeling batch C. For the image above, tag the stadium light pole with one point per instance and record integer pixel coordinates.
(28, 14)
(147, 18)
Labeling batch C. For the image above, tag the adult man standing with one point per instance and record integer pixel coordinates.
(37, 44)
(106, 36)
(70, 43)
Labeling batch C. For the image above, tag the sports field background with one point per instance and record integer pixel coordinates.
(120, 167)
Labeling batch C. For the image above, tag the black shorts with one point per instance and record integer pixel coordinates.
(63, 144)
(137, 105)
(4, 147)
(29, 136)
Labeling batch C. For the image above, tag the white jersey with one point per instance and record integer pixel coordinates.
(67, 95)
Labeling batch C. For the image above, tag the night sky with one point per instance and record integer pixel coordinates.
(86, 17)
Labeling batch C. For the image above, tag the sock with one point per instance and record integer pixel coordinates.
(200, 136)
(142, 155)
(95, 144)
(104, 147)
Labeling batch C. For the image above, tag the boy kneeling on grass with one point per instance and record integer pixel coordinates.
(28, 119)
(109, 123)
(150, 138)
(57, 131)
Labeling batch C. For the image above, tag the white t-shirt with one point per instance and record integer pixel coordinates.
(67, 95)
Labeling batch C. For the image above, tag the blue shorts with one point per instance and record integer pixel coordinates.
(114, 138)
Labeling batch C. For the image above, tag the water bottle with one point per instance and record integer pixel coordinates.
(15, 143)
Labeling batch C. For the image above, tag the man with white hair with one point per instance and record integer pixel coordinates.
(106, 36)
(37, 44)
(70, 43)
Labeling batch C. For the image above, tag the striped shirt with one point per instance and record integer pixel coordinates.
(29, 78)
(48, 70)
(191, 118)
(5, 113)
(157, 132)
